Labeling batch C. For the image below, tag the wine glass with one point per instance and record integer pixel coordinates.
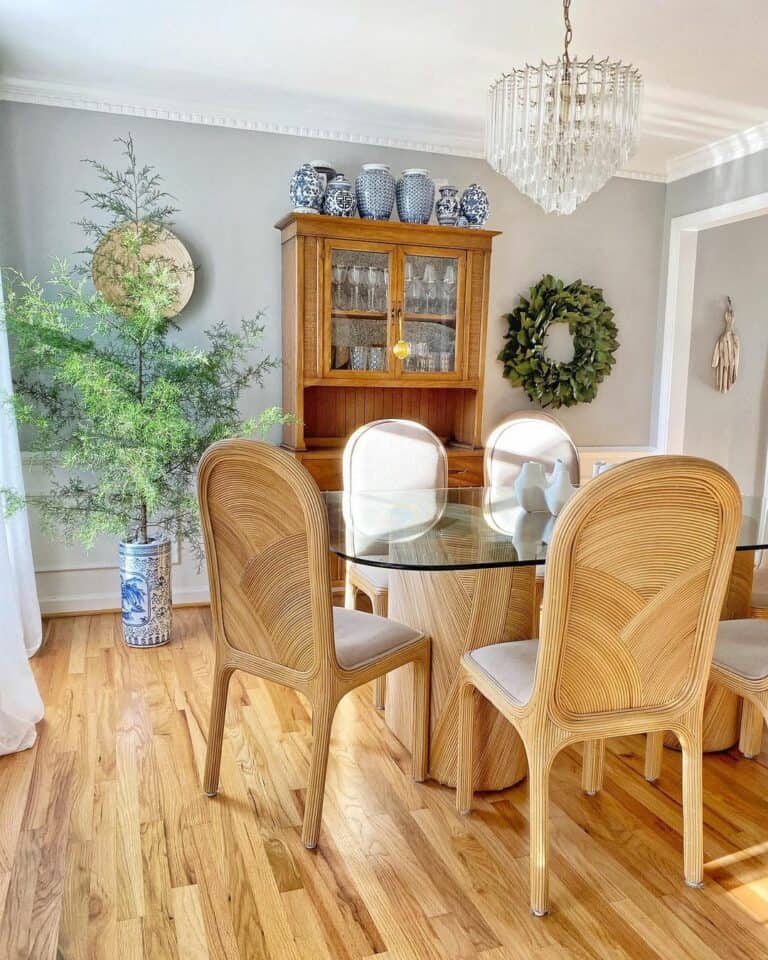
(430, 284)
(355, 277)
(374, 279)
(449, 286)
(384, 287)
(337, 276)
(416, 295)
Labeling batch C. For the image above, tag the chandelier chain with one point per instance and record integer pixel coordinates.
(568, 34)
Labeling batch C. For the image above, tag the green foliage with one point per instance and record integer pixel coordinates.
(120, 413)
(590, 322)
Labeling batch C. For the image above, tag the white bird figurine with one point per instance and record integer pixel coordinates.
(725, 359)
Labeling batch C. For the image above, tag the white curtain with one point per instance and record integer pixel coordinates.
(20, 624)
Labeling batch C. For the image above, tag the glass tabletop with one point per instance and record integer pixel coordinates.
(459, 528)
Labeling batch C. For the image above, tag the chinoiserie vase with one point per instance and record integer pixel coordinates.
(447, 207)
(474, 205)
(325, 171)
(145, 589)
(529, 487)
(415, 196)
(339, 200)
(306, 190)
(559, 490)
(375, 192)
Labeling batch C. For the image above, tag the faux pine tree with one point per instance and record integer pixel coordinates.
(119, 412)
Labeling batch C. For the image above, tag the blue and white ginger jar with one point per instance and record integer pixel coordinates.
(339, 199)
(375, 192)
(415, 196)
(474, 205)
(306, 190)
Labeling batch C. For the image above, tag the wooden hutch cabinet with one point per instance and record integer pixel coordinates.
(351, 289)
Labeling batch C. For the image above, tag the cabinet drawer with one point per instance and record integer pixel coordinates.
(465, 469)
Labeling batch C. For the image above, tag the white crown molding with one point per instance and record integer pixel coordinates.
(451, 140)
(729, 148)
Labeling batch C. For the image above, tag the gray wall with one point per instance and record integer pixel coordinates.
(731, 428)
(741, 178)
(232, 187)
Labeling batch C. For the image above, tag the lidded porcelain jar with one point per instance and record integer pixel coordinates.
(474, 205)
(415, 196)
(339, 200)
(447, 206)
(375, 192)
(306, 190)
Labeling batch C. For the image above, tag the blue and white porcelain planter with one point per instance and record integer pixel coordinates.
(145, 588)
(447, 207)
(415, 196)
(306, 190)
(375, 192)
(474, 205)
(339, 200)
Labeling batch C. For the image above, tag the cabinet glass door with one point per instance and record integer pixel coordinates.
(432, 290)
(360, 310)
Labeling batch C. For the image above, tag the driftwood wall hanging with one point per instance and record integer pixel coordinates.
(725, 359)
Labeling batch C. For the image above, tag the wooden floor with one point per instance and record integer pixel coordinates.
(109, 849)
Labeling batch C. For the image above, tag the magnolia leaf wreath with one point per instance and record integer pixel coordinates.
(590, 322)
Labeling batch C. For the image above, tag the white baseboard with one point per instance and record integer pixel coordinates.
(95, 602)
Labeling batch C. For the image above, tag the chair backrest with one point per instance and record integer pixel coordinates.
(637, 572)
(394, 455)
(528, 436)
(265, 530)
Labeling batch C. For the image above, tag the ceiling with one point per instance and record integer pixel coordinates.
(402, 73)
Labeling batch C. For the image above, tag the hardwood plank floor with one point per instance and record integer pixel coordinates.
(108, 848)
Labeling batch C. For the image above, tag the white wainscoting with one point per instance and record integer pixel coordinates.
(73, 580)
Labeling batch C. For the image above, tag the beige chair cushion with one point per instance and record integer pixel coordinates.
(742, 648)
(760, 586)
(376, 578)
(362, 637)
(512, 666)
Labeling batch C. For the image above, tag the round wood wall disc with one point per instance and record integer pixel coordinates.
(111, 259)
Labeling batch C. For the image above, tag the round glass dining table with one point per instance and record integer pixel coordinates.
(462, 566)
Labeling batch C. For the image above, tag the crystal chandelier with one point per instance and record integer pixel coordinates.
(561, 130)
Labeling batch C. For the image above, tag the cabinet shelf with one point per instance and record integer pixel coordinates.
(358, 314)
(432, 317)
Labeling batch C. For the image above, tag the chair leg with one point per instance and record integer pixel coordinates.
(538, 803)
(350, 594)
(593, 761)
(751, 735)
(379, 607)
(322, 721)
(654, 751)
(221, 677)
(421, 694)
(465, 760)
(693, 804)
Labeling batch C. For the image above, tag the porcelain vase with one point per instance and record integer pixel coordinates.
(415, 194)
(529, 487)
(145, 590)
(447, 207)
(375, 192)
(474, 206)
(306, 190)
(559, 490)
(339, 200)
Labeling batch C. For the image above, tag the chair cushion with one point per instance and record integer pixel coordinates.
(362, 637)
(377, 577)
(512, 666)
(760, 587)
(742, 648)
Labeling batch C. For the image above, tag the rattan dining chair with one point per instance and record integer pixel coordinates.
(638, 568)
(387, 455)
(265, 529)
(530, 435)
(739, 663)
